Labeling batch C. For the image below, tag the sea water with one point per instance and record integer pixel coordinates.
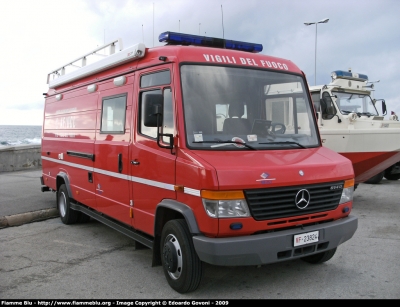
(12, 135)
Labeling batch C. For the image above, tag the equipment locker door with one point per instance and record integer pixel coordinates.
(111, 164)
(152, 167)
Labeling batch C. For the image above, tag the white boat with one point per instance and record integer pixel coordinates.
(350, 124)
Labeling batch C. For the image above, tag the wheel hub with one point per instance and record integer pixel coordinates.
(62, 205)
(173, 258)
(170, 257)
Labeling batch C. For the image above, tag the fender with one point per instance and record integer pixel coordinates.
(64, 177)
(178, 207)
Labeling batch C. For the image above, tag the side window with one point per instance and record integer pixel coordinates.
(151, 80)
(113, 112)
(168, 117)
(154, 79)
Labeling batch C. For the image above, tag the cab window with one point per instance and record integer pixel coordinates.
(152, 80)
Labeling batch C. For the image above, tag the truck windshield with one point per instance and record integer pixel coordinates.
(357, 103)
(225, 107)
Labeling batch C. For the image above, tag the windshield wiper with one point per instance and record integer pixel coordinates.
(365, 113)
(286, 142)
(227, 143)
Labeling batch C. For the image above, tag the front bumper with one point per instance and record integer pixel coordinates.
(273, 247)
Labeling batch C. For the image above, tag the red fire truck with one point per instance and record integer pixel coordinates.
(204, 150)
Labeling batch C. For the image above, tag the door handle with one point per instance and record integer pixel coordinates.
(134, 162)
(120, 163)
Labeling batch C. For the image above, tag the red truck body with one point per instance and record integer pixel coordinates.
(159, 183)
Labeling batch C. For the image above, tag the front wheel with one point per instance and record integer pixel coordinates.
(320, 257)
(182, 267)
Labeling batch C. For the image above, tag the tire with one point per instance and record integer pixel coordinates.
(67, 215)
(320, 257)
(390, 176)
(355, 186)
(182, 267)
(375, 179)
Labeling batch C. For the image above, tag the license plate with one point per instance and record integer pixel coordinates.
(306, 238)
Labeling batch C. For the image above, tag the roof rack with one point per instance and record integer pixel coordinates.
(60, 77)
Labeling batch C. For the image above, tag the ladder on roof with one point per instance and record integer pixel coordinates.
(60, 76)
(61, 71)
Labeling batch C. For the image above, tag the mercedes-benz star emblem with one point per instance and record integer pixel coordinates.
(302, 199)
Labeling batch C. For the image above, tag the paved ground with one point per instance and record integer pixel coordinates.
(50, 260)
(21, 200)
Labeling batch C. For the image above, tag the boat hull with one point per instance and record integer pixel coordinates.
(371, 151)
(369, 164)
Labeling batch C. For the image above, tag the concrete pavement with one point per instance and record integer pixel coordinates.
(21, 200)
(48, 260)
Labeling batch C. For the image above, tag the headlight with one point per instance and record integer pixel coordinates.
(348, 191)
(225, 204)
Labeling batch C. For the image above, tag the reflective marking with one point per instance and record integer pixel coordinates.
(111, 174)
(162, 185)
(87, 168)
(191, 191)
(153, 183)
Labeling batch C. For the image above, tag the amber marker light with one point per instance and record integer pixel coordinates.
(348, 191)
(222, 194)
(225, 204)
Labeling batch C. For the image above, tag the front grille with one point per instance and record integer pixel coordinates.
(274, 203)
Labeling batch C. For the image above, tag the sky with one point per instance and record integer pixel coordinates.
(39, 36)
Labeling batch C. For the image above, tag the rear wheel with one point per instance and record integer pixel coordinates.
(182, 267)
(320, 257)
(67, 215)
(375, 179)
(390, 176)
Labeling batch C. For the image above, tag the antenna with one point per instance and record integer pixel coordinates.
(222, 12)
(142, 35)
(179, 25)
(153, 24)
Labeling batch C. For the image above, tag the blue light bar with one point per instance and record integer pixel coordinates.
(173, 38)
(348, 75)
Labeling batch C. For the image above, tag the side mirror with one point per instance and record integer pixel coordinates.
(384, 111)
(153, 117)
(327, 108)
(153, 108)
